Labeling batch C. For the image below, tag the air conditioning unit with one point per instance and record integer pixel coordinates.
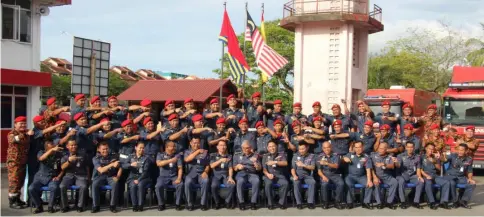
(395, 87)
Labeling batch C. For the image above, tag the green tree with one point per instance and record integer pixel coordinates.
(116, 85)
(476, 56)
(60, 88)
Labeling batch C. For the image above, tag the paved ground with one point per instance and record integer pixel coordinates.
(477, 209)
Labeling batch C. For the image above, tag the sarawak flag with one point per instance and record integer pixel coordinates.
(263, 34)
(237, 63)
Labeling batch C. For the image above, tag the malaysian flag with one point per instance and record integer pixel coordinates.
(268, 60)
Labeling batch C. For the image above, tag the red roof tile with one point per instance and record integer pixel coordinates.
(178, 90)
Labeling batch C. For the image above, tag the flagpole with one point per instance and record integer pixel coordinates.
(263, 83)
(222, 68)
(245, 27)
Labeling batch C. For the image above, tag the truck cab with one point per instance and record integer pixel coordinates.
(464, 105)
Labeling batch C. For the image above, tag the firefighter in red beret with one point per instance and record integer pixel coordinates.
(80, 107)
(168, 110)
(362, 115)
(143, 111)
(239, 136)
(187, 113)
(386, 136)
(430, 117)
(18, 148)
(52, 111)
(221, 133)
(295, 116)
(469, 139)
(232, 114)
(316, 113)
(199, 131)
(300, 137)
(109, 135)
(407, 118)
(281, 138)
(176, 134)
(408, 135)
(434, 136)
(96, 113)
(276, 114)
(119, 113)
(263, 137)
(346, 122)
(254, 111)
(367, 137)
(387, 117)
(212, 115)
(59, 133)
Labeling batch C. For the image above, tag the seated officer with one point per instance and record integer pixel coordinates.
(430, 169)
(359, 172)
(408, 164)
(221, 164)
(198, 168)
(393, 148)
(247, 165)
(241, 136)
(328, 164)
(367, 137)
(107, 170)
(171, 172)
(383, 166)
(138, 165)
(460, 172)
(49, 174)
(275, 165)
(302, 167)
(76, 170)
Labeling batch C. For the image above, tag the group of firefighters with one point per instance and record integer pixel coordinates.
(132, 149)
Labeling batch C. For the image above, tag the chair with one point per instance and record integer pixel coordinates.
(221, 186)
(149, 191)
(360, 188)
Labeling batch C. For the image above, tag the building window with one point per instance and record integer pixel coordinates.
(17, 20)
(14, 103)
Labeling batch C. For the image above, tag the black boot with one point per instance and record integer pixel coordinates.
(39, 209)
(283, 206)
(299, 206)
(311, 206)
(95, 209)
(204, 208)
(241, 206)
(403, 205)
(325, 205)
(350, 206)
(161, 207)
(253, 206)
(445, 205)
(380, 206)
(464, 204)
(271, 207)
(11, 202)
(433, 206)
(178, 208)
(65, 209)
(51, 209)
(80, 209)
(135, 208)
(367, 206)
(113, 209)
(416, 205)
(19, 202)
(190, 208)
(140, 208)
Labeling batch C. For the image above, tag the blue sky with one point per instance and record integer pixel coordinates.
(181, 35)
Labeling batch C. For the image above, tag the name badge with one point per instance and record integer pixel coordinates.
(78, 164)
(358, 165)
(123, 156)
(298, 158)
(414, 168)
(171, 164)
(198, 161)
(222, 165)
(461, 169)
(55, 166)
(352, 156)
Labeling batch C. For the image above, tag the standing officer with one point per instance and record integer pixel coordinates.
(51, 113)
(387, 117)
(303, 163)
(359, 172)
(243, 135)
(175, 134)
(340, 139)
(408, 164)
(367, 137)
(84, 135)
(387, 137)
(60, 132)
(151, 137)
(276, 114)
(295, 116)
(407, 118)
(460, 172)
(409, 136)
(203, 133)
(220, 134)
(110, 136)
(247, 165)
(213, 114)
(319, 133)
(281, 138)
(469, 139)
(430, 117)
(171, 172)
(107, 170)
(433, 136)
(119, 113)
(97, 113)
(363, 115)
(169, 110)
(76, 171)
(232, 114)
(49, 174)
(80, 107)
(346, 122)
(430, 169)
(383, 166)
(316, 113)
(274, 165)
(255, 111)
(221, 164)
(262, 138)
(187, 113)
(143, 111)
(328, 164)
(18, 148)
(198, 168)
(139, 179)
(300, 137)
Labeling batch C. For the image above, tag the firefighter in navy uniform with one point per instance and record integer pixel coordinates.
(255, 111)
(409, 136)
(367, 137)
(176, 134)
(460, 172)
(150, 135)
(263, 136)
(430, 169)
(119, 113)
(328, 164)
(276, 114)
(17, 151)
(407, 118)
(49, 174)
(198, 168)
(222, 166)
(274, 165)
(143, 111)
(393, 148)
(76, 171)
(203, 133)
(220, 134)
(387, 117)
(242, 135)
(247, 165)
(303, 164)
(408, 165)
(107, 170)
(60, 132)
(213, 114)
(138, 165)
(363, 115)
(168, 111)
(171, 172)
(187, 113)
(383, 170)
(359, 172)
(346, 122)
(98, 113)
(295, 116)
(232, 114)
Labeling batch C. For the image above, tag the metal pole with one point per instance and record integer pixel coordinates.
(222, 69)
(245, 27)
(263, 83)
(93, 74)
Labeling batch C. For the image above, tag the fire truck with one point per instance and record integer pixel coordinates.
(398, 96)
(464, 105)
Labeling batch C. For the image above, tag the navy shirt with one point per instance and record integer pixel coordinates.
(252, 115)
(408, 164)
(141, 170)
(100, 161)
(56, 138)
(428, 166)
(151, 115)
(217, 135)
(204, 135)
(198, 164)
(91, 119)
(341, 146)
(274, 169)
(187, 121)
(126, 148)
(113, 142)
(303, 119)
(84, 141)
(414, 139)
(459, 167)
(74, 110)
(312, 116)
(51, 166)
(77, 167)
(262, 142)
(392, 124)
(332, 159)
(379, 171)
(152, 146)
(118, 117)
(271, 118)
(368, 141)
(181, 142)
(390, 140)
(233, 123)
(248, 161)
(308, 159)
(240, 137)
(360, 118)
(347, 123)
(170, 170)
(36, 144)
(222, 170)
(358, 164)
(210, 122)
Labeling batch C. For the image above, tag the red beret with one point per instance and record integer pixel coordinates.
(369, 123)
(126, 123)
(172, 116)
(385, 103)
(168, 102)
(335, 106)
(337, 122)
(38, 118)
(407, 105)
(197, 117)
(220, 121)
(471, 128)
(94, 99)
(434, 127)
(256, 94)
(295, 124)
(433, 106)
(361, 103)
(187, 100)
(317, 119)
(297, 105)
(277, 102)
(146, 120)
(20, 119)
(385, 127)
(50, 101)
(231, 96)
(145, 102)
(243, 120)
(78, 116)
(259, 124)
(408, 127)
(213, 101)
(316, 104)
(79, 96)
(278, 121)
(104, 120)
(112, 97)
(59, 122)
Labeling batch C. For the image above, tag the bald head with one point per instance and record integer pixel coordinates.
(382, 148)
(246, 147)
(327, 147)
